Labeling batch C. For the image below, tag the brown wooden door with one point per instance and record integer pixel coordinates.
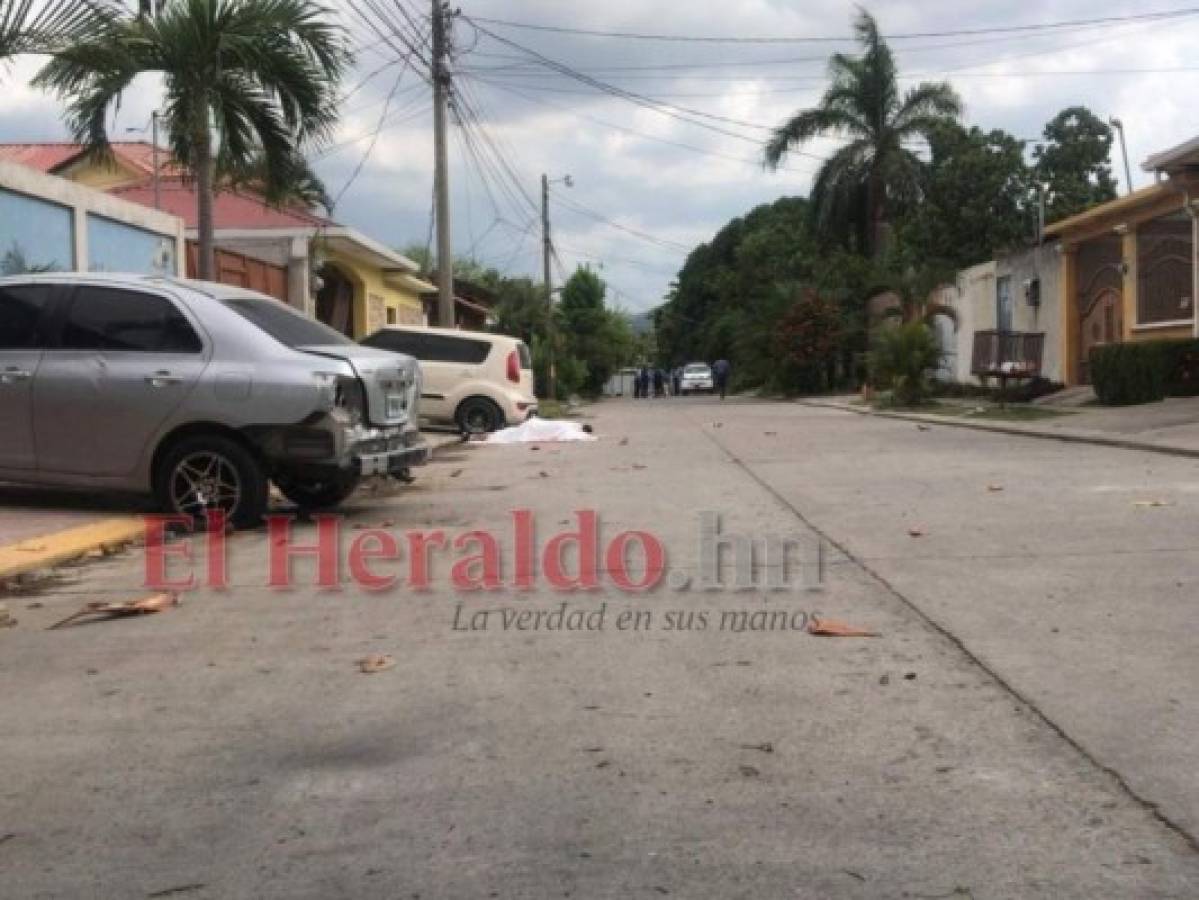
(1102, 323)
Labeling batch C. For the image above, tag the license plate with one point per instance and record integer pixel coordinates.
(395, 407)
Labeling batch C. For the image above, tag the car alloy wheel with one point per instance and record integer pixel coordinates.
(204, 481)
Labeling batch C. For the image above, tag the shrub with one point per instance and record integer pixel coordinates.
(902, 357)
(807, 339)
(1022, 392)
(1127, 374)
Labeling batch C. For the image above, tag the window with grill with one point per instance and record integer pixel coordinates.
(1165, 275)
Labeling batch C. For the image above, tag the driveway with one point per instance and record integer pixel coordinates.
(1018, 729)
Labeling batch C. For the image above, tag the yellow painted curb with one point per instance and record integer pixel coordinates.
(63, 546)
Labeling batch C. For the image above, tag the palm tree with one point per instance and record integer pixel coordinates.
(299, 185)
(27, 26)
(874, 170)
(258, 76)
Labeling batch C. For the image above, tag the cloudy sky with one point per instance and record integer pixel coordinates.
(662, 167)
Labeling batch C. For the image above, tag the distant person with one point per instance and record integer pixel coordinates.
(676, 381)
(659, 383)
(720, 372)
(636, 385)
(643, 382)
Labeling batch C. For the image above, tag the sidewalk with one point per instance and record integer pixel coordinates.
(41, 528)
(1171, 426)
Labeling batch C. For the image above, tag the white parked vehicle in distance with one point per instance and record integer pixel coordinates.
(476, 381)
(697, 377)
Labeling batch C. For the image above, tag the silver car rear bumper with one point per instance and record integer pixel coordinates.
(392, 462)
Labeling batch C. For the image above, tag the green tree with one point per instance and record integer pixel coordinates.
(297, 185)
(596, 341)
(520, 308)
(874, 175)
(976, 199)
(260, 76)
(807, 340)
(1074, 163)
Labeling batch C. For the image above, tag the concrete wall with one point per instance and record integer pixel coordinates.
(374, 295)
(51, 192)
(1043, 263)
(973, 299)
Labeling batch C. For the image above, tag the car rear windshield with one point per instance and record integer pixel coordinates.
(288, 327)
(526, 358)
(696, 370)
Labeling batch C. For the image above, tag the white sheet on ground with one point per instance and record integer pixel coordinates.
(540, 431)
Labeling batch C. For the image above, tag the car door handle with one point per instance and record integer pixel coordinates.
(12, 374)
(163, 379)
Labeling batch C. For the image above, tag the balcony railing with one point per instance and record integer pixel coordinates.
(1007, 354)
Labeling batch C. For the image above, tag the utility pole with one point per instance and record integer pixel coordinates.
(547, 248)
(441, 167)
(1119, 126)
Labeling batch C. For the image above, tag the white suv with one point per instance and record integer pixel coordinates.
(697, 377)
(477, 381)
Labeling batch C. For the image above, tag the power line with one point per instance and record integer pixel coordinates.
(681, 113)
(579, 209)
(757, 163)
(827, 39)
(517, 65)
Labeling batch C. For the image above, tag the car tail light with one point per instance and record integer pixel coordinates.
(514, 367)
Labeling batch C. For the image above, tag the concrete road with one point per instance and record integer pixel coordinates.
(1021, 728)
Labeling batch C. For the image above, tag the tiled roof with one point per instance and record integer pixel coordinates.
(231, 209)
(48, 157)
(43, 157)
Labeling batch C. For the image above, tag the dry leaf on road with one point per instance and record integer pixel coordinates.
(833, 628)
(916, 532)
(1151, 504)
(153, 604)
(376, 662)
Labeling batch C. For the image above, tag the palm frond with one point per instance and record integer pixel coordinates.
(29, 26)
(803, 127)
(926, 104)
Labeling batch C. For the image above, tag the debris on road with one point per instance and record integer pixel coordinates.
(749, 771)
(764, 747)
(624, 442)
(6, 619)
(155, 603)
(924, 428)
(833, 628)
(376, 662)
(916, 532)
(1151, 504)
(456, 473)
(994, 488)
(544, 431)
